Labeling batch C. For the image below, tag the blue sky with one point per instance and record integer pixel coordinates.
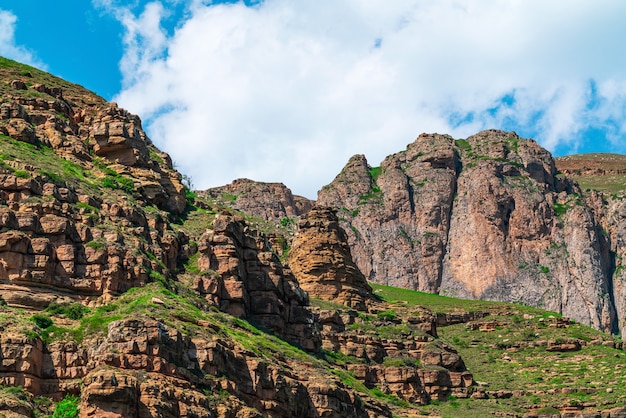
(287, 91)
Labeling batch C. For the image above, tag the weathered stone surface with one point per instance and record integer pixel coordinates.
(482, 218)
(321, 261)
(269, 201)
(444, 375)
(242, 276)
(397, 217)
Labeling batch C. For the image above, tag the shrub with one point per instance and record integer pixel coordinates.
(67, 408)
(559, 209)
(286, 222)
(72, 311)
(389, 315)
(109, 183)
(42, 321)
(97, 245)
(463, 144)
(126, 184)
(190, 195)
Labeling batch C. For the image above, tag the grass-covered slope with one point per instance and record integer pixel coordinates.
(596, 171)
(523, 359)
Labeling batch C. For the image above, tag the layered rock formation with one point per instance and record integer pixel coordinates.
(321, 261)
(485, 217)
(72, 170)
(269, 201)
(240, 274)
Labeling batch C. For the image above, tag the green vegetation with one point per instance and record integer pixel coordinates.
(375, 196)
(22, 174)
(463, 145)
(599, 171)
(514, 357)
(72, 310)
(437, 303)
(97, 245)
(87, 208)
(154, 156)
(388, 315)
(47, 163)
(285, 222)
(42, 321)
(190, 195)
(229, 197)
(375, 172)
(67, 407)
(118, 182)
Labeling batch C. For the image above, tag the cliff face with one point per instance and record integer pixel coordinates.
(77, 176)
(483, 218)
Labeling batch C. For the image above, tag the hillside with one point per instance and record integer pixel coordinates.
(602, 172)
(124, 294)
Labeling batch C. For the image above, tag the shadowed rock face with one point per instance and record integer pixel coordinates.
(321, 261)
(480, 218)
(247, 280)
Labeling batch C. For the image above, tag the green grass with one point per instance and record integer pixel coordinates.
(67, 407)
(229, 197)
(156, 157)
(46, 162)
(375, 172)
(463, 145)
(436, 303)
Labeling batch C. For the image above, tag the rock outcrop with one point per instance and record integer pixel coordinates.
(75, 176)
(321, 261)
(269, 201)
(408, 362)
(484, 218)
(115, 288)
(242, 276)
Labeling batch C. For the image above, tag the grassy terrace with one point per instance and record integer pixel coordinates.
(514, 357)
(587, 170)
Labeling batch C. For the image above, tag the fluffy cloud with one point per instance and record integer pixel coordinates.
(288, 91)
(8, 47)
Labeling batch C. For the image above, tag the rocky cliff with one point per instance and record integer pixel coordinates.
(121, 287)
(488, 218)
(269, 201)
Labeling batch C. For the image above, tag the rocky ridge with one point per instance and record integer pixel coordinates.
(321, 261)
(269, 201)
(484, 218)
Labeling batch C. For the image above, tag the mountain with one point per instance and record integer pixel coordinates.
(487, 217)
(123, 288)
(125, 294)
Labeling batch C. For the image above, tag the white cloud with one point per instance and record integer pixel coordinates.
(8, 47)
(288, 91)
